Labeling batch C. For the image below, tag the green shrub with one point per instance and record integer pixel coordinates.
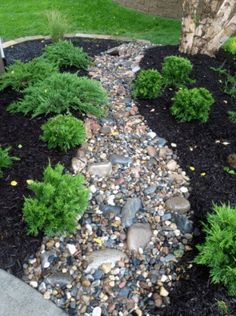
(219, 249)
(192, 104)
(63, 132)
(5, 159)
(65, 54)
(230, 45)
(176, 71)
(58, 25)
(229, 81)
(61, 93)
(20, 75)
(232, 116)
(148, 84)
(57, 202)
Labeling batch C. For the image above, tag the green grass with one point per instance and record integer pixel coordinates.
(27, 17)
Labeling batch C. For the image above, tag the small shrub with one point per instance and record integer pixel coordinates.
(219, 249)
(20, 75)
(192, 104)
(232, 116)
(230, 45)
(57, 202)
(176, 71)
(5, 159)
(58, 25)
(61, 93)
(63, 132)
(229, 81)
(65, 54)
(148, 84)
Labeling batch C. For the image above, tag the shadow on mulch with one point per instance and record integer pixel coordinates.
(15, 245)
(195, 294)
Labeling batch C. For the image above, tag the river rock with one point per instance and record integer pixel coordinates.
(119, 159)
(102, 169)
(151, 151)
(171, 165)
(231, 159)
(131, 207)
(178, 204)
(139, 235)
(108, 209)
(61, 279)
(99, 257)
(47, 258)
(183, 223)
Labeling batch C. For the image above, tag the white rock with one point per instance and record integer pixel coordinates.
(151, 135)
(164, 292)
(102, 169)
(71, 248)
(97, 311)
(34, 284)
(171, 165)
(93, 189)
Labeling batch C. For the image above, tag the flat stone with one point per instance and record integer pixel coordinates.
(18, 298)
(178, 204)
(138, 236)
(183, 223)
(99, 257)
(231, 159)
(61, 279)
(78, 164)
(131, 207)
(119, 159)
(102, 169)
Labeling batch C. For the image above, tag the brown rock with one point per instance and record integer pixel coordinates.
(151, 151)
(157, 299)
(86, 283)
(231, 159)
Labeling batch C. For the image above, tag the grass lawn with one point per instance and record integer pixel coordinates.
(26, 17)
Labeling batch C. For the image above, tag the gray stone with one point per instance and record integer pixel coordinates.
(107, 209)
(150, 190)
(102, 169)
(166, 217)
(99, 257)
(139, 235)
(178, 204)
(119, 159)
(18, 298)
(131, 207)
(183, 223)
(78, 164)
(124, 292)
(161, 141)
(47, 258)
(62, 279)
(168, 258)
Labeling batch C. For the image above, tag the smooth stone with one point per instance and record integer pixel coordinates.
(78, 164)
(150, 190)
(135, 69)
(129, 210)
(108, 209)
(119, 159)
(164, 292)
(171, 165)
(151, 135)
(151, 151)
(231, 159)
(166, 217)
(102, 169)
(139, 235)
(105, 130)
(47, 258)
(124, 292)
(99, 257)
(71, 248)
(178, 204)
(61, 279)
(168, 258)
(161, 141)
(97, 311)
(183, 223)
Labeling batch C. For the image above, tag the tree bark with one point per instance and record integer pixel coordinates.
(207, 31)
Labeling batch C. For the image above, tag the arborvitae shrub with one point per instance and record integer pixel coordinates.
(65, 54)
(56, 204)
(192, 104)
(176, 71)
(148, 84)
(5, 159)
(219, 249)
(20, 75)
(61, 93)
(63, 132)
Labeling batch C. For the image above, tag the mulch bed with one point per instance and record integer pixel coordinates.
(15, 245)
(195, 295)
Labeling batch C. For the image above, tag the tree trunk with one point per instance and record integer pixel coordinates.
(206, 25)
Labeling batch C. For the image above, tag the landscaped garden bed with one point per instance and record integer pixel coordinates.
(132, 176)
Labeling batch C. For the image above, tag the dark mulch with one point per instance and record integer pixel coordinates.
(15, 245)
(196, 295)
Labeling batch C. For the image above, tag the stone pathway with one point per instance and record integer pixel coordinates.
(124, 256)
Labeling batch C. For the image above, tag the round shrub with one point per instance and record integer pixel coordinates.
(60, 93)
(219, 249)
(56, 203)
(192, 104)
(176, 71)
(63, 132)
(65, 54)
(148, 84)
(230, 45)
